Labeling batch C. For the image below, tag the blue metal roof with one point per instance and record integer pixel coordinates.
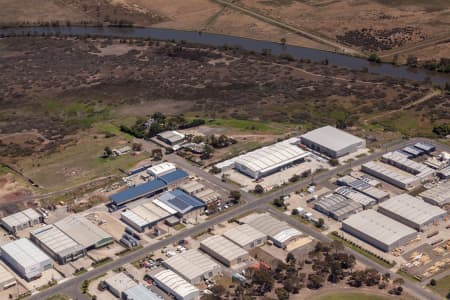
(181, 201)
(137, 191)
(174, 176)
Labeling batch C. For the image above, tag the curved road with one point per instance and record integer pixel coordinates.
(71, 286)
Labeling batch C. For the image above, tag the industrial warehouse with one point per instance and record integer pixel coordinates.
(57, 244)
(193, 266)
(332, 142)
(268, 160)
(84, 232)
(364, 186)
(181, 202)
(175, 285)
(378, 230)
(171, 137)
(161, 169)
(438, 195)
(280, 233)
(21, 220)
(408, 165)
(337, 206)
(25, 258)
(140, 292)
(146, 215)
(118, 283)
(356, 196)
(392, 175)
(411, 211)
(245, 236)
(224, 250)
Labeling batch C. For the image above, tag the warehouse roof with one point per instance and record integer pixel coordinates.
(208, 195)
(439, 194)
(192, 264)
(445, 172)
(24, 252)
(273, 156)
(5, 275)
(140, 292)
(175, 282)
(56, 240)
(82, 230)
(274, 228)
(355, 196)
(181, 201)
(332, 138)
(21, 217)
(413, 151)
(223, 247)
(173, 136)
(192, 186)
(427, 147)
(391, 172)
(147, 213)
(138, 191)
(31, 214)
(337, 205)
(411, 208)
(378, 226)
(416, 168)
(174, 176)
(243, 234)
(120, 282)
(161, 168)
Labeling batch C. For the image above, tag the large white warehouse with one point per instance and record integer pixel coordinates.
(25, 258)
(391, 175)
(378, 230)
(224, 250)
(175, 285)
(438, 195)
(411, 211)
(270, 159)
(332, 142)
(246, 236)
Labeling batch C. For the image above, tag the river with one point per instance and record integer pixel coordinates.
(341, 60)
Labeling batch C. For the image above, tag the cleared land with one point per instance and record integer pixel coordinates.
(352, 296)
(442, 286)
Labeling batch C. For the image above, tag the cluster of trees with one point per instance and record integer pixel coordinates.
(214, 141)
(157, 123)
(442, 130)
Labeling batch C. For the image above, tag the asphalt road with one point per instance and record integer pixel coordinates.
(71, 287)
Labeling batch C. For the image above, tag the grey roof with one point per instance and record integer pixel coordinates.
(223, 247)
(21, 217)
(412, 209)
(418, 169)
(175, 283)
(172, 136)
(82, 230)
(192, 187)
(31, 214)
(243, 234)
(445, 172)
(120, 281)
(140, 292)
(332, 138)
(439, 194)
(378, 226)
(356, 196)
(337, 205)
(192, 264)
(272, 156)
(25, 253)
(274, 228)
(56, 240)
(390, 172)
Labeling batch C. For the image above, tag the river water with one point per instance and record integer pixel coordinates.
(341, 60)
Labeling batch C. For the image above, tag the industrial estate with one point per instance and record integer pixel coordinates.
(174, 229)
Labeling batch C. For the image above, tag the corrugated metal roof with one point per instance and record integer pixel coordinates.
(181, 201)
(25, 253)
(56, 240)
(418, 169)
(175, 283)
(174, 176)
(192, 264)
(161, 168)
(243, 234)
(120, 282)
(393, 173)
(332, 138)
(337, 205)
(223, 247)
(355, 196)
(439, 194)
(140, 292)
(413, 209)
(378, 226)
(138, 191)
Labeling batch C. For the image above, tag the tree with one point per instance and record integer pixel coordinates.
(235, 195)
(315, 281)
(215, 170)
(386, 277)
(399, 281)
(279, 202)
(137, 147)
(282, 294)
(107, 152)
(373, 57)
(320, 223)
(259, 189)
(337, 246)
(264, 279)
(283, 41)
(334, 162)
(433, 282)
(290, 258)
(157, 154)
(218, 290)
(411, 61)
(294, 178)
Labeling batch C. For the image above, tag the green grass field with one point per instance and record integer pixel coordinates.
(442, 287)
(248, 125)
(351, 296)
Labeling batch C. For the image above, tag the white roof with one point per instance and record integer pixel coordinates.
(82, 230)
(378, 226)
(147, 213)
(192, 186)
(192, 264)
(120, 282)
(445, 171)
(175, 283)
(172, 136)
(164, 206)
(140, 292)
(332, 138)
(243, 234)
(337, 205)
(208, 195)
(21, 217)
(31, 214)
(162, 168)
(355, 196)
(412, 209)
(223, 247)
(56, 240)
(25, 253)
(420, 170)
(136, 219)
(391, 172)
(270, 157)
(274, 228)
(439, 194)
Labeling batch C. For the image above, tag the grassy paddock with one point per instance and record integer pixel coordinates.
(442, 286)
(248, 125)
(351, 296)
